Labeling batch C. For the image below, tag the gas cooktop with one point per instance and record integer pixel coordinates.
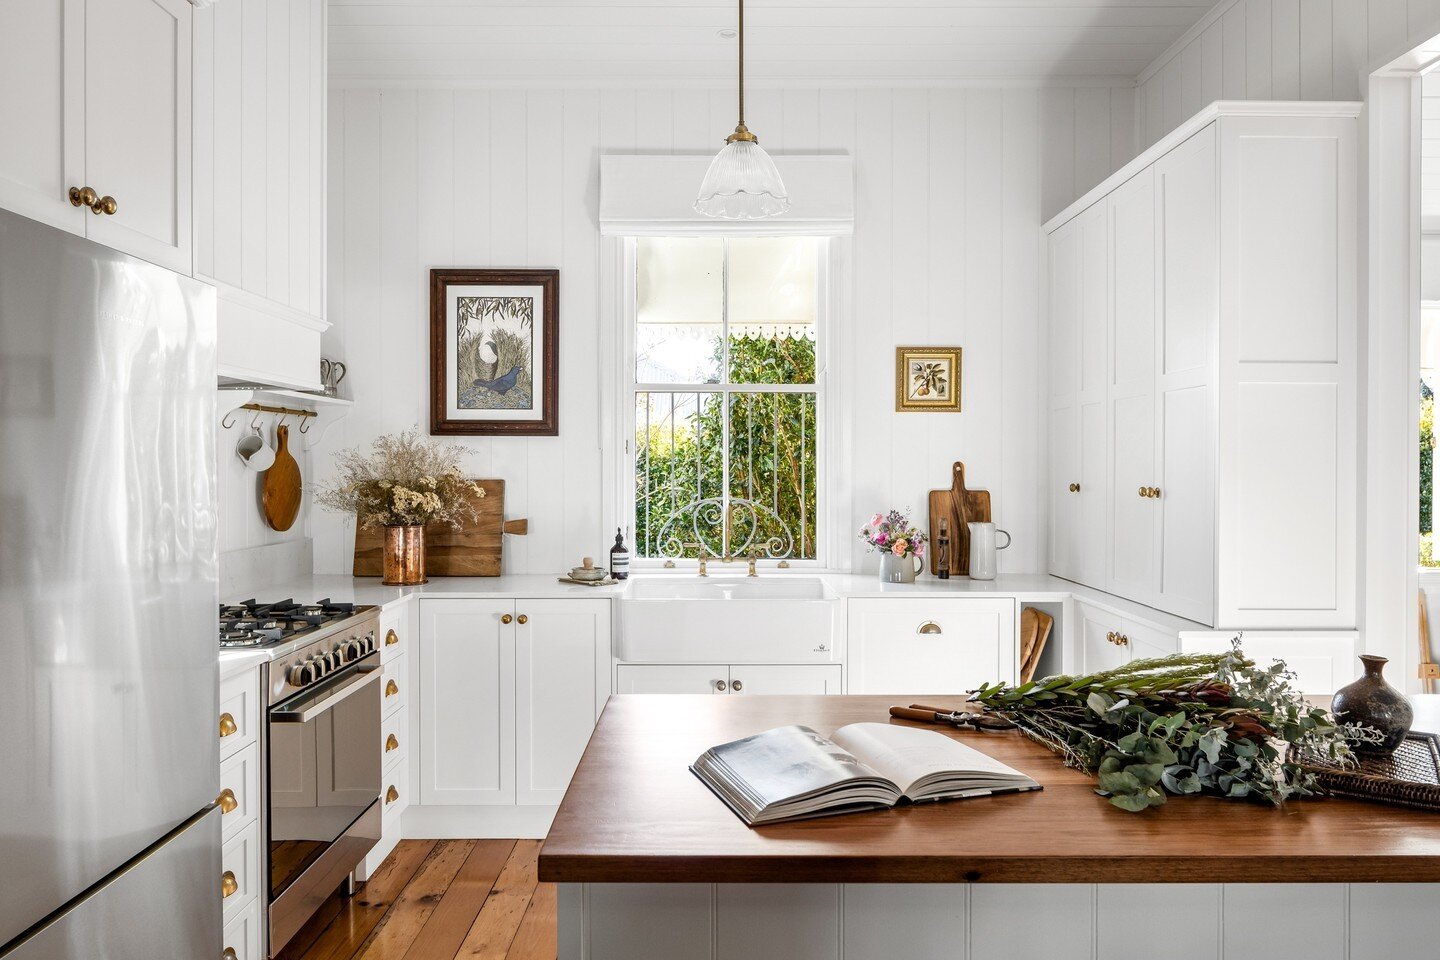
(252, 624)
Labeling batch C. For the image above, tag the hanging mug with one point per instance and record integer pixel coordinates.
(983, 548)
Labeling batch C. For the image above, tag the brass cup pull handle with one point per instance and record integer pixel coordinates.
(735, 685)
(522, 619)
(391, 688)
(391, 638)
(228, 884)
(227, 801)
(392, 743)
(929, 628)
(392, 795)
(229, 954)
(228, 727)
(506, 618)
(721, 685)
(1074, 488)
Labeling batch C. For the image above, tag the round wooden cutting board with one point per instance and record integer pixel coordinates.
(280, 494)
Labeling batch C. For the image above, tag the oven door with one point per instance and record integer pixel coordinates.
(324, 776)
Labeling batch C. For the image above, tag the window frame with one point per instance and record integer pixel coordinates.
(825, 541)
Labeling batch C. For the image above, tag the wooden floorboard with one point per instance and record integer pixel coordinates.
(440, 900)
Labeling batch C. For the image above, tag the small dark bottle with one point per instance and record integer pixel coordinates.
(619, 557)
(942, 558)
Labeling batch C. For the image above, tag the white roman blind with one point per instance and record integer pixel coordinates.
(652, 196)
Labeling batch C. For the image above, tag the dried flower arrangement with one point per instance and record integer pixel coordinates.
(892, 533)
(1183, 724)
(402, 481)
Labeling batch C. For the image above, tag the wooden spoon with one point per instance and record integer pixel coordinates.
(280, 494)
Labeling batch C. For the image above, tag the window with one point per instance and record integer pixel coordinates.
(727, 384)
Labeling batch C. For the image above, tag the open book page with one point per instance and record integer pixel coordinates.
(925, 763)
(785, 764)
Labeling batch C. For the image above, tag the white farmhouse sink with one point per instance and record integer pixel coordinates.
(672, 619)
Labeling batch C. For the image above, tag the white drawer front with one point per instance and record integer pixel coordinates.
(397, 631)
(240, 862)
(394, 796)
(394, 738)
(239, 719)
(930, 644)
(393, 685)
(241, 940)
(240, 786)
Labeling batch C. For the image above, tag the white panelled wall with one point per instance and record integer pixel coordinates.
(951, 185)
(1277, 50)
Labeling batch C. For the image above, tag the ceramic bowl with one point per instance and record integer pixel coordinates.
(593, 573)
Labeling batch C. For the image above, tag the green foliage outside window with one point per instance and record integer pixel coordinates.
(1427, 461)
(772, 461)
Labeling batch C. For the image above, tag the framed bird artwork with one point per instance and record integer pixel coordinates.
(494, 349)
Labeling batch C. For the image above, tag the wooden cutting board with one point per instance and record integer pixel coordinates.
(472, 551)
(959, 506)
(1034, 631)
(280, 489)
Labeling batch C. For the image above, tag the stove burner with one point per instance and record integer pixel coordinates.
(252, 624)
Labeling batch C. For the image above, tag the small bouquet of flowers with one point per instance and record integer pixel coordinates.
(892, 533)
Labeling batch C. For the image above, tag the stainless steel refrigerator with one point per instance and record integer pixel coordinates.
(109, 842)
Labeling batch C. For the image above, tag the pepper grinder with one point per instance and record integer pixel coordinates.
(942, 558)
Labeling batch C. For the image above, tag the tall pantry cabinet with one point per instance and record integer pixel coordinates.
(1203, 398)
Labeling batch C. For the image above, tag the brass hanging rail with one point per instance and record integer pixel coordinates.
(259, 408)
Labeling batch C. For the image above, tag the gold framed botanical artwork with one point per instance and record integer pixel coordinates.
(927, 378)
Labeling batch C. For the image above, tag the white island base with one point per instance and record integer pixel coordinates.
(999, 921)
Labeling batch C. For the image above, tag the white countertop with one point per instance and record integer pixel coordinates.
(1033, 588)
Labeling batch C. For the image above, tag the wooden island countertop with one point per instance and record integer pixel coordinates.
(634, 813)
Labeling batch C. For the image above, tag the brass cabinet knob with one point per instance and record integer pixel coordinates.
(391, 688)
(1144, 491)
(391, 638)
(735, 685)
(228, 726)
(229, 954)
(1122, 640)
(1074, 488)
(392, 743)
(929, 628)
(522, 619)
(227, 801)
(1155, 492)
(1110, 637)
(721, 685)
(391, 795)
(228, 884)
(87, 197)
(506, 618)
(105, 205)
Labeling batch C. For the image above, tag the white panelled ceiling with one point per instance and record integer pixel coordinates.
(683, 41)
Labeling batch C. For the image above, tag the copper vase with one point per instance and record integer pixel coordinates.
(404, 556)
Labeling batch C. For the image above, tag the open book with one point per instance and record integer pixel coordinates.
(792, 773)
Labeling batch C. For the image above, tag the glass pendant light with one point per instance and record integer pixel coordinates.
(742, 182)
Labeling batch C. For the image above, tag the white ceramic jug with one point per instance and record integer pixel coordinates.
(982, 550)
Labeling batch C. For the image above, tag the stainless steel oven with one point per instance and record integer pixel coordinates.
(322, 763)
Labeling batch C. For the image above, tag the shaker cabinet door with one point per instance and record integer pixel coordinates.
(672, 678)
(562, 677)
(467, 702)
(801, 678)
(42, 133)
(137, 126)
(930, 645)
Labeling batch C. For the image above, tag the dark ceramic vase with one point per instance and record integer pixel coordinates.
(1373, 702)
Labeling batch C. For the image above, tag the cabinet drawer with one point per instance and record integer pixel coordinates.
(240, 786)
(240, 871)
(394, 738)
(397, 630)
(1109, 639)
(930, 645)
(241, 940)
(239, 718)
(393, 685)
(394, 796)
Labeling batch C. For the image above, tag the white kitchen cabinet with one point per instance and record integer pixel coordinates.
(930, 644)
(259, 144)
(785, 678)
(562, 679)
(1230, 392)
(96, 93)
(467, 701)
(509, 693)
(1109, 640)
(722, 678)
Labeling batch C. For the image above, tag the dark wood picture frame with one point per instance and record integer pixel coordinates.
(441, 424)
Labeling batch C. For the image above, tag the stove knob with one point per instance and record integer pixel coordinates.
(317, 667)
(301, 674)
(340, 655)
(328, 663)
(369, 642)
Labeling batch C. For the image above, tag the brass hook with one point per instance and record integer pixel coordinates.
(284, 415)
(304, 425)
(255, 421)
(228, 421)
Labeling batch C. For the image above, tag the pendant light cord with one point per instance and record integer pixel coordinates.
(742, 62)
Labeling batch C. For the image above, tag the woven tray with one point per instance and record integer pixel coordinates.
(1409, 777)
